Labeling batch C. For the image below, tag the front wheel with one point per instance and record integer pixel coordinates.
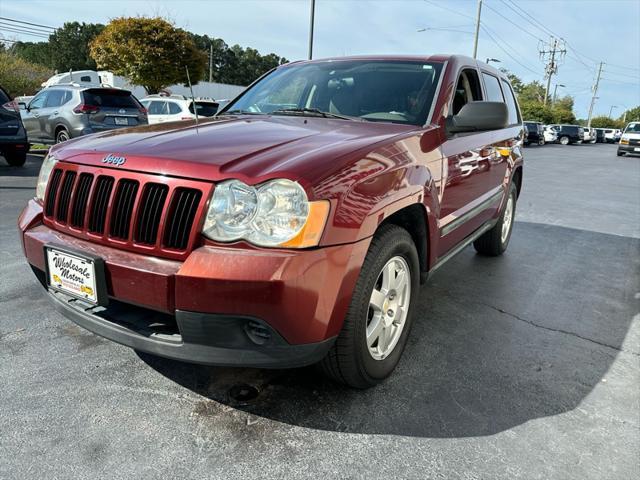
(564, 140)
(620, 153)
(378, 320)
(495, 241)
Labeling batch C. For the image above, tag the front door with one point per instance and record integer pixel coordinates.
(31, 116)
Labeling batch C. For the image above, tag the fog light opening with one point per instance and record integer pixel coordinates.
(257, 333)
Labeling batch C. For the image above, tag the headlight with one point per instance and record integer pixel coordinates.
(276, 213)
(43, 178)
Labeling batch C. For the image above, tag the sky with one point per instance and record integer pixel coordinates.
(513, 31)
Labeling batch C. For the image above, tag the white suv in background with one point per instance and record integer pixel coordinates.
(589, 135)
(173, 108)
(550, 135)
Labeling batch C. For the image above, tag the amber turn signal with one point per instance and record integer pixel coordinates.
(310, 234)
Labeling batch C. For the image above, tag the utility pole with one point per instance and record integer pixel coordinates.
(611, 109)
(475, 39)
(211, 62)
(595, 92)
(311, 21)
(551, 68)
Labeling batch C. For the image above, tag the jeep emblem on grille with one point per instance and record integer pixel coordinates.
(114, 160)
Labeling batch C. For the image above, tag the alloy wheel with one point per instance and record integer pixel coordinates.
(507, 220)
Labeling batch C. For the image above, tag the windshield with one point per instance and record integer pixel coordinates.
(633, 128)
(382, 91)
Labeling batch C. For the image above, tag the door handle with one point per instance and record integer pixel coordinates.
(55, 113)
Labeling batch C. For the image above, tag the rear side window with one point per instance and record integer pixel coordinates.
(493, 88)
(109, 98)
(512, 106)
(174, 108)
(205, 109)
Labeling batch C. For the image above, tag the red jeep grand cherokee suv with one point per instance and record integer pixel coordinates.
(295, 227)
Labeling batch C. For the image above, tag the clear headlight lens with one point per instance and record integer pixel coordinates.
(276, 213)
(43, 178)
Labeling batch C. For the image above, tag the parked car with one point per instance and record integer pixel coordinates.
(568, 134)
(630, 140)
(612, 135)
(600, 135)
(13, 137)
(61, 112)
(550, 135)
(589, 135)
(294, 228)
(534, 133)
(172, 108)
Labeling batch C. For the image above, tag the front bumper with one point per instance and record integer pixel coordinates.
(215, 301)
(629, 148)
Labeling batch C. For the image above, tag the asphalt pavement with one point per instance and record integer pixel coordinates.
(525, 366)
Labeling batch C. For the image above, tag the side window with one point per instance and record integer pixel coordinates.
(54, 99)
(492, 86)
(38, 101)
(174, 108)
(157, 108)
(467, 90)
(514, 113)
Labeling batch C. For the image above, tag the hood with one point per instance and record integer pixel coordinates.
(251, 148)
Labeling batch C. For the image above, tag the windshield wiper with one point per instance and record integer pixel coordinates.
(239, 112)
(314, 112)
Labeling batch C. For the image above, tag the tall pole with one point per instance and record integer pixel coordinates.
(211, 62)
(311, 18)
(595, 92)
(611, 109)
(555, 91)
(475, 39)
(550, 69)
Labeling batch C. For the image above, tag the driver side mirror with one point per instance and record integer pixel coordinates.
(22, 106)
(479, 117)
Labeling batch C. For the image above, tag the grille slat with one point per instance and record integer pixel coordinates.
(138, 211)
(153, 199)
(123, 208)
(65, 196)
(80, 202)
(53, 191)
(182, 212)
(100, 204)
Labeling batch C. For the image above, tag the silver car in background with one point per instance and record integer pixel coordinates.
(61, 112)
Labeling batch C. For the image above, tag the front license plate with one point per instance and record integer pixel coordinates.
(72, 274)
(637, 149)
(121, 121)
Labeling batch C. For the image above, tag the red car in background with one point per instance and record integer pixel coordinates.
(295, 227)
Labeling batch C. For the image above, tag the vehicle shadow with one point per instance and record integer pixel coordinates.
(496, 342)
(30, 169)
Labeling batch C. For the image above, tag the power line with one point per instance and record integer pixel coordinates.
(8, 29)
(506, 52)
(511, 20)
(28, 23)
(23, 29)
(450, 10)
(551, 68)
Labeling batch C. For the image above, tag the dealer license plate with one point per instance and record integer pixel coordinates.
(637, 149)
(121, 120)
(72, 274)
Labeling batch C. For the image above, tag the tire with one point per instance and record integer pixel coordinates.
(619, 153)
(564, 140)
(541, 142)
(15, 158)
(62, 135)
(494, 242)
(351, 360)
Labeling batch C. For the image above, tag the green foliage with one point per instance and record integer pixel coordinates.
(20, 77)
(535, 111)
(606, 122)
(633, 115)
(34, 52)
(69, 46)
(235, 65)
(149, 51)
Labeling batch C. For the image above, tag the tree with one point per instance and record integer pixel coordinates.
(148, 51)
(633, 115)
(34, 52)
(535, 111)
(606, 122)
(20, 77)
(69, 46)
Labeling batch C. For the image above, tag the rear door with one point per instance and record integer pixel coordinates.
(31, 116)
(475, 170)
(114, 108)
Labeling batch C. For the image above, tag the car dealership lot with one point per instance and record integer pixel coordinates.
(524, 366)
